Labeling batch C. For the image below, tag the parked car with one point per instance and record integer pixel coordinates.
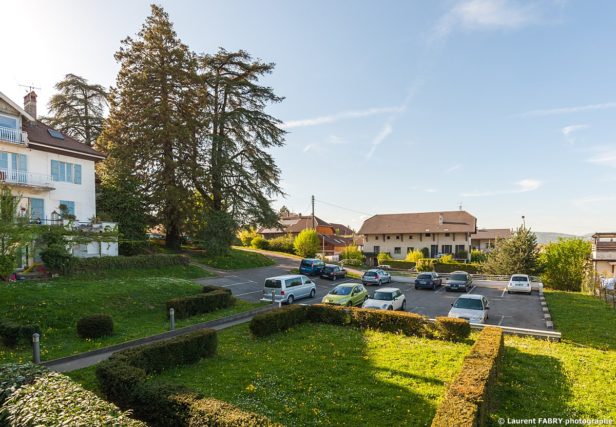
(428, 280)
(375, 277)
(347, 294)
(383, 267)
(311, 266)
(471, 307)
(333, 272)
(386, 299)
(519, 283)
(459, 280)
(288, 288)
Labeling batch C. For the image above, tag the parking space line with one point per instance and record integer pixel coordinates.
(501, 321)
(472, 289)
(503, 294)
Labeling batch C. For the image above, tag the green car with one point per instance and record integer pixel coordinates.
(347, 294)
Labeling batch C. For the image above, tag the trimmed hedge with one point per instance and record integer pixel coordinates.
(13, 376)
(452, 329)
(95, 326)
(87, 265)
(270, 322)
(12, 332)
(467, 400)
(201, 303)
(457, 266)
(123, 380)
(212, 288)
(53, 399)
(410, 324)
(402, 265)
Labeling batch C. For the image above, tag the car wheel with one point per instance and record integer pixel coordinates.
(389, 279)
(403, 307)
(380, 283)
(390, 308)
(290, 299)
(349, 304)
(313, 293)
(334, 277)
(416, 287)
(509, 292)
(433, 286)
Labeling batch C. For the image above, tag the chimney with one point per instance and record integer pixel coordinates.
(30, 104)
(440, 219)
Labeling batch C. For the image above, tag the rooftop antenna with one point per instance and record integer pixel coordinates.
(30, 87)
(460, 206)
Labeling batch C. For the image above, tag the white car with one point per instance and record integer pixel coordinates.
(471, 307)
(386, 299)
(519, 283)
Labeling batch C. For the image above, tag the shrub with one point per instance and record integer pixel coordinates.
(352, 252)
(410, 324)
(414, 256)
(478, 256)
(279, 319)
(117, 379)
(456, 266)
(213, 288)
(213, 412)
(12, 377)
(383, 257)
(307, 243)
(351, 262)
(159, 404)
(88, 265)
(446, 259)
(259, 243)
(403, 265)
(321, 313)
(7, 266)
(53, 399)
(12, 332)
(201, 303)
(461, 255)
(282, 244)
(57, 258)
(246, 235)
(452, 329)
(95, 326)
(426, 264)
(467, 400)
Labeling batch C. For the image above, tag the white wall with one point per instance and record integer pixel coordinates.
(389, 242)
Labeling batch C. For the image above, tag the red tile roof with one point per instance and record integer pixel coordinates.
(422, 222)
(39, 136)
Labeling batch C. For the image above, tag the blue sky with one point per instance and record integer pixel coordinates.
(506, 107)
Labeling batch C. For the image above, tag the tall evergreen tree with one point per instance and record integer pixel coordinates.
(152, 110)
(78, 108)
(516, 254)
(229, 164)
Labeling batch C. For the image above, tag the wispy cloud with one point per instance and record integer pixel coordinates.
(344, 115)
(453, 168)
(385, 131)
(472, 15)
(568, 132)
(569, 110)
(522, 186)
(312, 147)
(605, 157)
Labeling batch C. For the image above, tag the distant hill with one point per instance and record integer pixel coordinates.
(544, 237)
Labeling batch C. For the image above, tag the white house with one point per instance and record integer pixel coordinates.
(438, 232)
(48, 169)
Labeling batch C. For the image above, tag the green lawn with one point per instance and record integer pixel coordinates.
(574, 378)
(235, 260)
(134, 298)
(324, 374)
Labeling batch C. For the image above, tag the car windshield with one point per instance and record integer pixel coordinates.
(383, 296)
(328, 269)
(468, 303)
(273, 283)
(341, 290)
(370, 274)
(306, 263)
(424, 276)
(461, 277)
(519, 279)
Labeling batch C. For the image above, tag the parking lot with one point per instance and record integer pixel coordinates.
(515, 310)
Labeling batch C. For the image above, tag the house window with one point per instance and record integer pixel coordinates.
(446, 249)
(65, 172)
(446, 234)
(460, 248)
(410, 249)
(366, 238)
(376, 237)
(388, 237)
(37, 209)
(410, 237)
(427, 234)
(397, 237)
(397, 251)
(13, 167)
(376, 249)
(8, 129)
(70, 206)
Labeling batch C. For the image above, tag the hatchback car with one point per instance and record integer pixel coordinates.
(428, 280)
(387, 299)
(519, 283)
(333, 272)
(471, 307)
(459, 281)
(311, 266)
(347, 294)
(289, 288)
(375, 276)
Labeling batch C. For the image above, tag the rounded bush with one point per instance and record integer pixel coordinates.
(95, 326)
(452, 329)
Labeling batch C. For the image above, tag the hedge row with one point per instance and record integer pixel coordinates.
(12, 332)
(95, 326)
(467, 400)
(123, 380)
(402, 265)
(277, 320)
(201, 303)
(212, 288)
(87, 265)
(457, 266)
(31, 395)
(452, 329)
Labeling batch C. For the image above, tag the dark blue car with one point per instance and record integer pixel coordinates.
(311, 266)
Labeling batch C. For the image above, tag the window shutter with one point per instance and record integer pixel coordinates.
(4, 160)
(77, 174)
(55, 171)
(69, 172)
(62, 173)
(22, 163)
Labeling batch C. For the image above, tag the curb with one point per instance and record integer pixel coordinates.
(546, 311)
(158, 337)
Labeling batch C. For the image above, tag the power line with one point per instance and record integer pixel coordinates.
(342, 207)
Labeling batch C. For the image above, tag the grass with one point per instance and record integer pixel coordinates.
(236, 259)
(324, 374)
(575, 378)
(267, 251)
(134, 298)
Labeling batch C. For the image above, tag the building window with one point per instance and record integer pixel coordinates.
(410, 237)
(377, 249)
(388, 237)
(366, 238)
(397, 251)
(446, 234)
(37, 210)
(65, 172)
(446, 249)
(397, 237)
(427, 234)
(410, 249)
(376, 237)
(460, 248)
(70, 206)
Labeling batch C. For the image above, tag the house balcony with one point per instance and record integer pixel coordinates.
(604, 251)
(13, 136)
(28, 180)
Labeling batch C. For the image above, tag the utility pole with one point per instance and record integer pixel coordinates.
(313, 220)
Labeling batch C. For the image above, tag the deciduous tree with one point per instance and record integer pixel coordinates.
(15, 231)
(566, 264)
(307, 243)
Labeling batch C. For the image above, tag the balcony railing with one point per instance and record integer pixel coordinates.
(15, 136)
(25, 179)
(604, 246)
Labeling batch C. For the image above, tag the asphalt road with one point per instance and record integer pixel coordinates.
(516, 310)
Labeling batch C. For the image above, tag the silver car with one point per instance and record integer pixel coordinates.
(375, 276)
(288, 288)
